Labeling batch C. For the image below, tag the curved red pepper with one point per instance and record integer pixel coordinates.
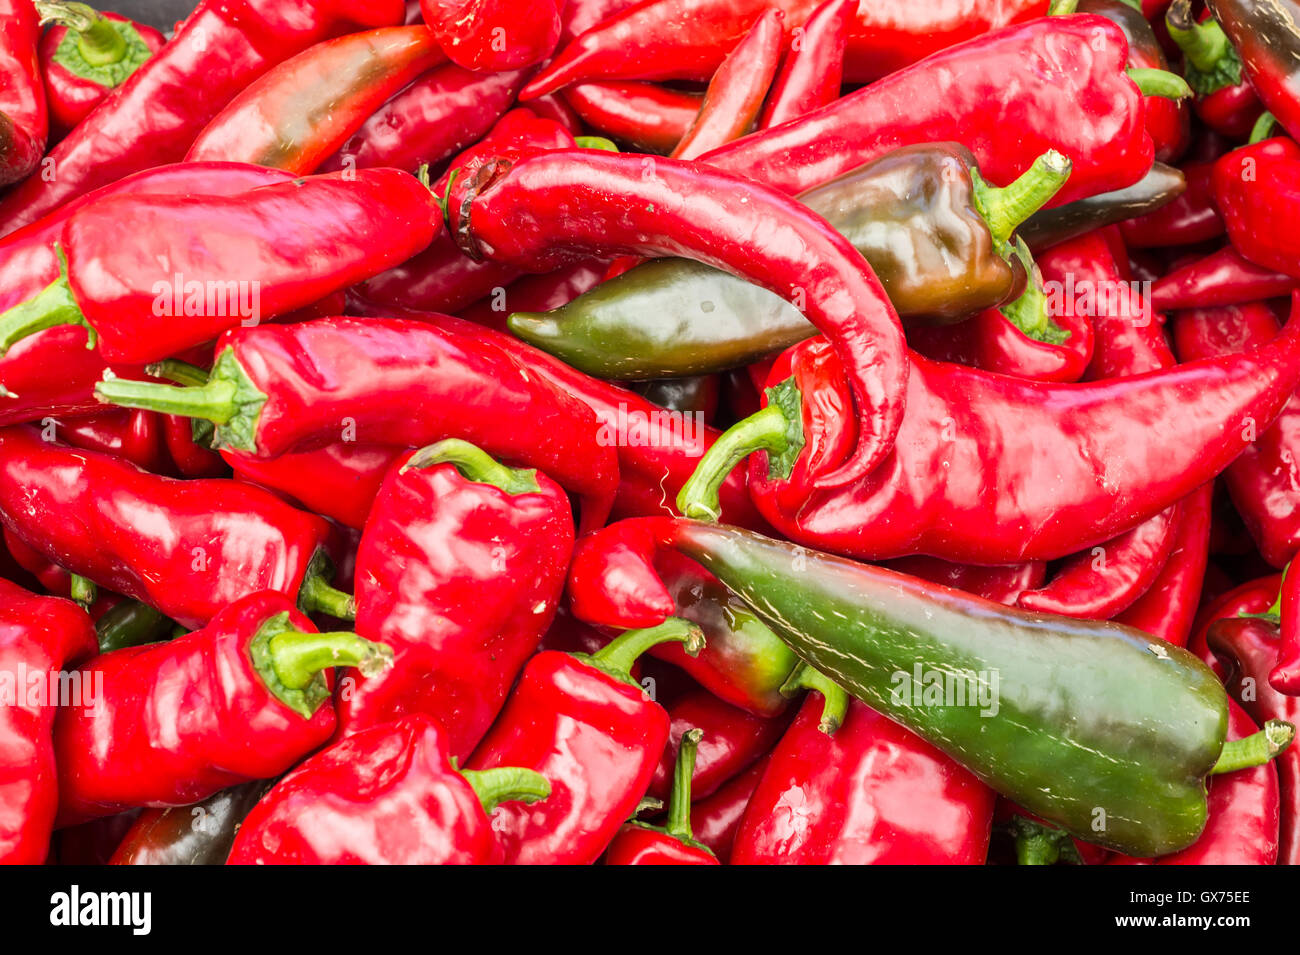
(1221, 278)
(1285, 675)
(24, 120)
(692, 211)
(460, 569)
(153, 117)
(493, 35)
(584, 725)
(674, 844)
(647, 117)
(1001, 584)
(399, 782)
(1189, 219)
(135, 436)
(1253, 598)
(847, 785)
(169, 724)
(1256, 190)
(39, 637)
(813, 70)
(299, 113)
(339, 481)
(1267, 38)
(85, 55)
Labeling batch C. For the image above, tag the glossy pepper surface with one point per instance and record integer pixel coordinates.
(646, 117)
(24, 120)
(201, 834)
(460, 568)
(1266, 35)
(673, 843)
(395, 782)
(1256, 192)
(244, 698)
(1225, 100)
(474, 32)
(813, 69)
(1221, 278)
(731, 741)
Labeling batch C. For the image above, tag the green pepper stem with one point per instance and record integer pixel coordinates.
(53, 306)
(317, 596)
(1161, 83)
(214, 401)
(1062, 8)
(475, 465)
(97, 38)
(622, 652)
(506, 784)
(835, 698)
(679, 804)
(1007, 207)
(178, 372)
(1037, 848)
(1204, 44)
(765, 430)
(595, 142)
(1256, 749)
(1263, 128)
(84, 591)
(297, 656)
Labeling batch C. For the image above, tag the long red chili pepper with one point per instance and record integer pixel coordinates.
(24, 121)
(339, 481)
(1285, 675)
(172, 723)
(847, 785)
(1074, 463)
(1267, 38)
(673, 844)
(594, 733)
(400, 782)
(85, 54)
(39, 636)
(303, 110)
(188, 548)
(283, 388)
(461, 566)
(1002, 584)
(1221, 278)
(1053, 83)
(722, 220)
(647, 117)
(813, 70)
(153, 117)
(198, 266)
(494, 35)
(1190, 218)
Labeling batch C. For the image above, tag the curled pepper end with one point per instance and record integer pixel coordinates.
(612, 580)
(618, 656)
(476, 465)
(291, 662)
(457, 209)
(53, 306)
(506, 784)
(835, 698)
(1152, 82)
(1256, 749)
(1005, 208)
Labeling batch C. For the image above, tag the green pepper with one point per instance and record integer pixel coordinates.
(936, 235)
(131, 624)
(1097, 727)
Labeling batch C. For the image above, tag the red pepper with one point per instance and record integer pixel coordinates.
(444, 111)
(732, 741)
(1256, 190)
(190, 458)
(674, 844)
(134, 436)
(282, 388)
(1246, 650)
(813, 70)
(153, 117)
(648, 41)
(299, 113)
(847, 785)
(1252, 598)
(24, 121)
(187, 548)
(460, 569)
(1001, 584)
(533, 293)
(1261, 481)
(1225, 100)
(169, 724)
(579, 16)
(289, 245)
(716, 218)
(1053, 83)
(494, 35)
(716, 820)
(85, 55)
(594, 733)
(1267, 38)
(736, 92)
(647, 117)
(339, 481)
(1285, 675)
(397, 781)
(1189, 219)
(39, 636)
(1221, 278)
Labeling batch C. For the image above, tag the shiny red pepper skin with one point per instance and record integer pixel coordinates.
(189, 459)
(176, 722)
(715, 821)
(533, 293)
(646, 117)
(813, 70)
(637, 845)
(1245, 650)
(733, 741)
(460, 577)
(1221, 278)
(872, 793)
(1285, 675)
(1256, 190)
(648, 42)
(1225, 100)
(74, 89)
(299, 113)
(1001, 584)
(472, 32)
(396, 780)
(135, 436)
(24, 120)
(1262, 480)
(153, 117)
(444, 111)
(1189, 219)
(579, 16)
(38, 635)
(690, 210)
(339, 481)
(1248, 599)
(188, 548)
(1267, 37)
(1009, 97)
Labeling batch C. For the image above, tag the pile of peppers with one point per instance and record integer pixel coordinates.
(650, 432)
